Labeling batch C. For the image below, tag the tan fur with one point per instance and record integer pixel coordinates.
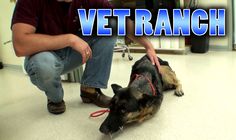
(170, 80)
(144, 114)
(138, 95)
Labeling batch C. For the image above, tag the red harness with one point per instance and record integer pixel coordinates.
(136, 76)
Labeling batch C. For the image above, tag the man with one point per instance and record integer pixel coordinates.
(46, 32)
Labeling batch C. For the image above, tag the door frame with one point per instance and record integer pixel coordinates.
(232, 2)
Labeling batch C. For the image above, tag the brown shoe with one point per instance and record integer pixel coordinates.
(95, 96)
(56, 108)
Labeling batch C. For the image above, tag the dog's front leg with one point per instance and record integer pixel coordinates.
(170, 80)
(143, 118)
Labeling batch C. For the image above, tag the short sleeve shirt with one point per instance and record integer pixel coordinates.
(52, 17)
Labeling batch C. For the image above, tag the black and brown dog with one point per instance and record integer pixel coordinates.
(143, 96)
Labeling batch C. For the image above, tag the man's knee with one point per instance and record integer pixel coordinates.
(43, 68)
(105, 45)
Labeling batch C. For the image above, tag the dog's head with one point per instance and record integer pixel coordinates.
(127, 105)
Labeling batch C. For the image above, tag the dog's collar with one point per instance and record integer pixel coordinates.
(136, 76)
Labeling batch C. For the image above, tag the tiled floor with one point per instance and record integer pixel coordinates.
(206, 112)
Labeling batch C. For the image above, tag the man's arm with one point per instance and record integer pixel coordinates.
(26, 42)
(144, 42)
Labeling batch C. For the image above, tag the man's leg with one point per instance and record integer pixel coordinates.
(97, 70)
(44, 70)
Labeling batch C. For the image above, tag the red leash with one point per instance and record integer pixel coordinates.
(99, 113)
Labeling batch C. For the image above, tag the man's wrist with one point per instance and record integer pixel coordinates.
(149, 48)
(71, 38)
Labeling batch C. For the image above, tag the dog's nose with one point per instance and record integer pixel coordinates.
(104, 129)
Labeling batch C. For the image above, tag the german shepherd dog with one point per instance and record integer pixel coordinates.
(143, 96)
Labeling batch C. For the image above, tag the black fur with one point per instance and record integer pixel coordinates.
(137, 98)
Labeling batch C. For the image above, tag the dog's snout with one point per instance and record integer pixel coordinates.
(104, 129)
(111, 124)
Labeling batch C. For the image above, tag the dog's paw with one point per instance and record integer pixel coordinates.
(179, 93)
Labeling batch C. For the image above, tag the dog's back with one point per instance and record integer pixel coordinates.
(145, 67)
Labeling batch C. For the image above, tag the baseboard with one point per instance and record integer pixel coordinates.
(219, 48)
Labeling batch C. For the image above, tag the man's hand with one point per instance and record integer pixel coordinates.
(153, 57)
(145, 42)
(82, 47)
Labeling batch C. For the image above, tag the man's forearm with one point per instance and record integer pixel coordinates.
(142, 40)
(33, 43)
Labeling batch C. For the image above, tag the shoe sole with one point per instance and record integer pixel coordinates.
(57, 112)
(86, 100)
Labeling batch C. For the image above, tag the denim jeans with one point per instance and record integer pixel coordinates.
(45, 68)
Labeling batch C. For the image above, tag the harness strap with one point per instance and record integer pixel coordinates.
(136, 76)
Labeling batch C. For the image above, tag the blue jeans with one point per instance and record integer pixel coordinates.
(45, 68)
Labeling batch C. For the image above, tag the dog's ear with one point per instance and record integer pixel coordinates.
(115, 88)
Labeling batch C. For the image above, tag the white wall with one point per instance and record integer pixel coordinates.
(7, 55)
